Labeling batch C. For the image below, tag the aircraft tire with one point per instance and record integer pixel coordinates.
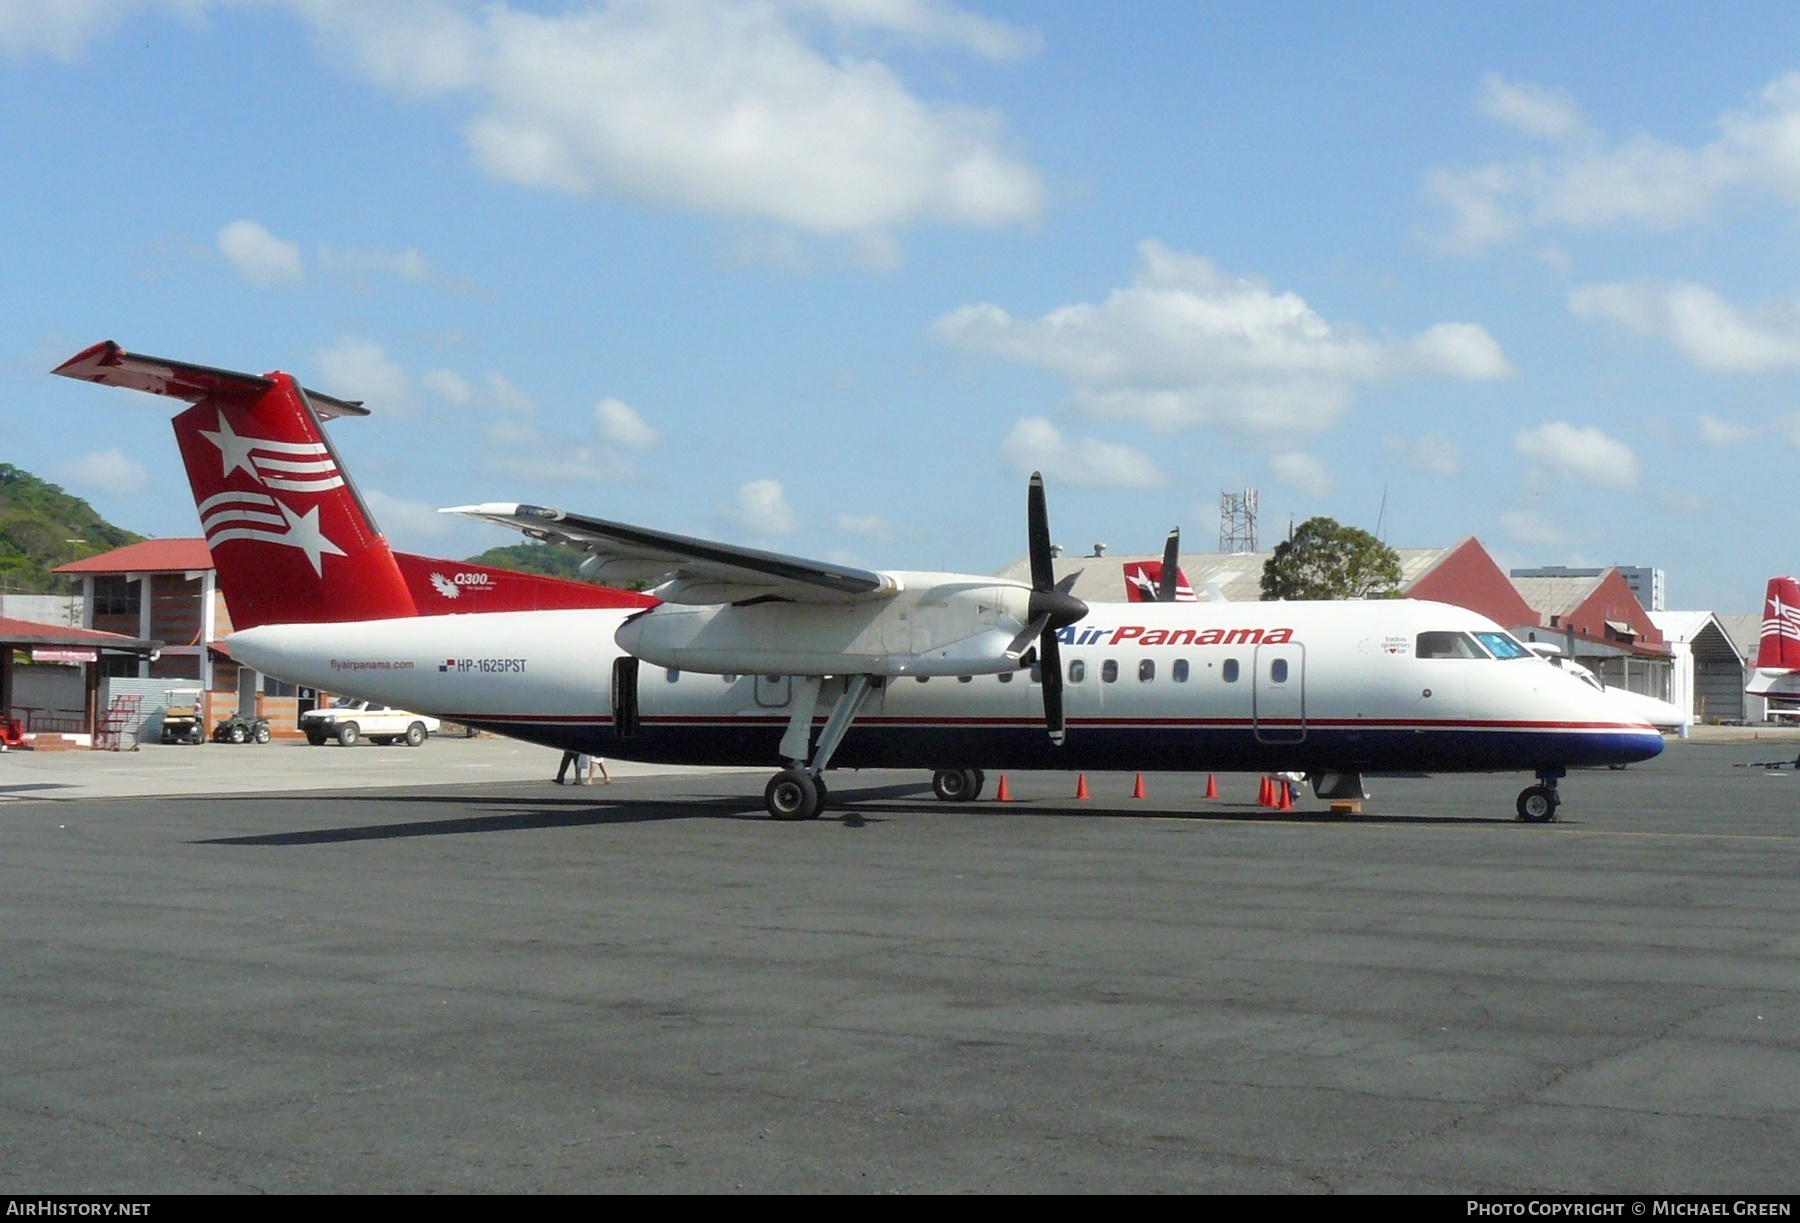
(824, 796)
(1537, 804)
(792, 795)
(953, 785)
(977, 779)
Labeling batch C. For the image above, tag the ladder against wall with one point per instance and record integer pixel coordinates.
(123, 717)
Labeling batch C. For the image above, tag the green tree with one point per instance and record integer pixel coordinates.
(1325, 560)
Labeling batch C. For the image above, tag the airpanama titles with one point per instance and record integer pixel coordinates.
(1138, 634)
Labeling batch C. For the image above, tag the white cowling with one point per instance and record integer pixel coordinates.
(938, 624)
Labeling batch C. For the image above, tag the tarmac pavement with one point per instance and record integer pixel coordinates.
(515, 987)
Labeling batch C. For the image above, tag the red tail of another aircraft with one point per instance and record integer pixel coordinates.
(292, 539)
(1779, 649)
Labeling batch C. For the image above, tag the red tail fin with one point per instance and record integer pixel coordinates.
(1779, 649)
(1143, 577)
(292, 540)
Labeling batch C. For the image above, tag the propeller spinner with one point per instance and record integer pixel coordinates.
(1051, 607)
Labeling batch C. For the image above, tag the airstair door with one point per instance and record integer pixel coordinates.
(1278, 693)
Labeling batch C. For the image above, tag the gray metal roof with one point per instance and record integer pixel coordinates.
(1556, 596)
(1238, 575)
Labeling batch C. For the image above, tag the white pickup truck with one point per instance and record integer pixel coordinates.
(348, 721)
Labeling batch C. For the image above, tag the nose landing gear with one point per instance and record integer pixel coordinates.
(1538, 804)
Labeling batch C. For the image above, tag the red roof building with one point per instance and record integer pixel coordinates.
(162, 589)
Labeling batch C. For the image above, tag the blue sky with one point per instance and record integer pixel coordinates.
(834, 275)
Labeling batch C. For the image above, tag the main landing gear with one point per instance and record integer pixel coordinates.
(798, 792)
(958, 785)
(1538, 804)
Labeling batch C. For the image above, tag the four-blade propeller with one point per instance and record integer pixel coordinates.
(1052, 607)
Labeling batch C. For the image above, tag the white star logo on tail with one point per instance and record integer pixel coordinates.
(245, 515)
(294, 467)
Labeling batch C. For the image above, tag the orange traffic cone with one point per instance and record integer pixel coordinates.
(1003, 795)
(1081, 786)
(1284, 797)
(1264, 796)
(1212, 786)
(1137, 791)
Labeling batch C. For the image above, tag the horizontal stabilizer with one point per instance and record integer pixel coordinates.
(110, 365)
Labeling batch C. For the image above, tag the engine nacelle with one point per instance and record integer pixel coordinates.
(939, 624)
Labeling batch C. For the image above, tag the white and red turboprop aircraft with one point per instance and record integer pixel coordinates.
(1777, 673)
(753, 650)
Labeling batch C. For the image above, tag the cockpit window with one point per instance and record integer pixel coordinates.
(1502, 645)
(1447, 645)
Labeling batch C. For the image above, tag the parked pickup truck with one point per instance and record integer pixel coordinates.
(348, 721)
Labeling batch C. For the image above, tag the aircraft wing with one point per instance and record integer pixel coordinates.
(688, 570)
(110, 365)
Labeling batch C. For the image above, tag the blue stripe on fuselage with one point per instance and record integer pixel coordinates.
(1115, 747)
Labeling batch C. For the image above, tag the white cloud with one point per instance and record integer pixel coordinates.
(353, 368)
(1529, 528)
(722, 108)
(1301, 471)
(1716, 432)
(504, 396)
(519, 447)
(407, 523)
(449, 386)
(1584, 453)
(872, 525)
(59, 27)
(259, 256)
(762, 510)
(1431, 452)
(930, 21)
(1545, 114)
(111, 473)
(1591, 181)
(620, 423)
(1187, 344)
(1037, 445)
(408, 264)
(1709, 331)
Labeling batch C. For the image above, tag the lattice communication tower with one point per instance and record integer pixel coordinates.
(1237, 521)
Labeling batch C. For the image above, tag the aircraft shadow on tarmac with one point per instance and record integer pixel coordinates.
(576, 812)
(571, 812)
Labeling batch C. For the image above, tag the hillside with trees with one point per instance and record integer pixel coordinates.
(41, 527)
(550, 559)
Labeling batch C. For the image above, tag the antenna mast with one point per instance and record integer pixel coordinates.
(1237, 521)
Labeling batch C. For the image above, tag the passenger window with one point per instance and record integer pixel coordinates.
(1447, 645)
(1077, 671)
(1109, 670)
(1146, 671)
(1179, 672)
(673, 675)
(1278, 671)
(1229, 671)
(1006, 677)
